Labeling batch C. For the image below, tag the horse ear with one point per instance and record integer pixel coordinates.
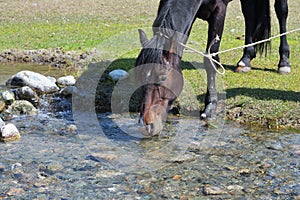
(143, 38)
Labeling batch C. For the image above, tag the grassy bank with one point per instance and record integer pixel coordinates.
(259, 97)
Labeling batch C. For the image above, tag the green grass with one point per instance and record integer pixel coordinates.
(71, 35)
(72, 25)
(259, 97)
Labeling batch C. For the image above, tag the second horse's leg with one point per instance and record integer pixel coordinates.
(248, 9)
(281, 9)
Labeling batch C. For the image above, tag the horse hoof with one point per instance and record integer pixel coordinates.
(203, 116)
(284, 70)
(208, 116)
(243, 69)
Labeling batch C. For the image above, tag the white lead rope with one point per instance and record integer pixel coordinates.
(258, 42)
(210, 55)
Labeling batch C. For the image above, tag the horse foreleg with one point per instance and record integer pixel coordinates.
(211, 97)
(281, 9)
(215, 28)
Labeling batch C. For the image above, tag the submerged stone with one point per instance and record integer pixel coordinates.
(9, 132)
(15, 192)
(213, 190)
(34, 80)
(2, 168)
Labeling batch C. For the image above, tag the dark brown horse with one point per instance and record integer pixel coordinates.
(161, 55)
(171, 27)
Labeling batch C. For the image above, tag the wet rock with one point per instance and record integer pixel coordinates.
(234, 189)
(272, 173)
(108, 173)
(117, 74)
(2, 123)
(55, 167)
(296, 149)
(182, 158)
(15, 192)
(176, 177)
(2, 105)
(213, 190)
(52, 79)
(184, 198)
(36, 81)
(9, 132)
(8, 97)
(16, 167)
(26, 93)
(244, 171)
(276, 146)
(66, 81)
(72, 128)
(69, 129)
(2, 168)
(68, 91)
(20, 107)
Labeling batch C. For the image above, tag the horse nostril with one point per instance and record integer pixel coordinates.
(163, 78)
(141, 121)
(149, 128)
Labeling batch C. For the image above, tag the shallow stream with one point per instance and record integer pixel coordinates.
(110, 159)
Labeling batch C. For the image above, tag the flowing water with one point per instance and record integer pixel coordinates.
(106, 157)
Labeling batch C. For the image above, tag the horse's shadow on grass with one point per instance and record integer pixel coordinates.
(264, 94)
(127, 64)
(257, 93)
(260, 93)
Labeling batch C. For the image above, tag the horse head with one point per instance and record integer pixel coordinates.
(161, 77)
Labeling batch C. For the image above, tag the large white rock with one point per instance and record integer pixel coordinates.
(66, 81)
(118, 74)
(9, 132)
(36, 81)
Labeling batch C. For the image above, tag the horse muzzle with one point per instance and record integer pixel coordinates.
(151, 128)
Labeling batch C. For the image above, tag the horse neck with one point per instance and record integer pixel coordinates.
(176, 15)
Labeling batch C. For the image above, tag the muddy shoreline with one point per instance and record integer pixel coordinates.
(55, 57)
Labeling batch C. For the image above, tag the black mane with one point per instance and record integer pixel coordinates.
(152, 52)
